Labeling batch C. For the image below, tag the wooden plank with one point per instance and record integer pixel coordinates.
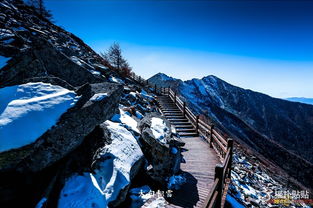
(199, 168)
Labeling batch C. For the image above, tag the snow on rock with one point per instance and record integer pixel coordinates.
(125, 118)
(159, 129)
(41, 203)
(3, 61)
(111, 176)
(95, 72)
(101, 66)
(146, 95)
(159, 202)
(175, 182)
(139, 196)
(116, 80)
(82, 191)
(99, 96)
(28, 110)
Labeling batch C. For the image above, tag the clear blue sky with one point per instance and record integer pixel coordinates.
(265, 46)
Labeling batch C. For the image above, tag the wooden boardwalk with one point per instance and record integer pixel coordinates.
(201, 160)
(199, 170)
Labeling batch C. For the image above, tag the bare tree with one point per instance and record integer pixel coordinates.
(116, 60)
(40, 8)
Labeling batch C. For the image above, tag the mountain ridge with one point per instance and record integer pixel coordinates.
(268, 125)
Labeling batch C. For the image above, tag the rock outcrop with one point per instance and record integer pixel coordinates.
(30, 164)
(163, 154)
(44, 60)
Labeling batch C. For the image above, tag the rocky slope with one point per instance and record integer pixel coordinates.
(280, 130)
(68, 123)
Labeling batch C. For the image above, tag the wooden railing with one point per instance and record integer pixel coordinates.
(222, 146)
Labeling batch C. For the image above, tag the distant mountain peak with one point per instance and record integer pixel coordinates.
(301, 100)
(164, 77)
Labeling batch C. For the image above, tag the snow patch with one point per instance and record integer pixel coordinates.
(159, 129)
(125, 118)
(41, 203)
(157, 203)
(29, 110)
(99, 96)
(116, 80)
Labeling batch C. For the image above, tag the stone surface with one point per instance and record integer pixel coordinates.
(164, 163)
(69, 132)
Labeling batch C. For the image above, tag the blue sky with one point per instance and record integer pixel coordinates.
(266, 46)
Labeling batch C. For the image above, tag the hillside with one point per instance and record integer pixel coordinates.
(71, 127)
(278, 129)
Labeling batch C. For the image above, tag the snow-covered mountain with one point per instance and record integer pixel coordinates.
(301, 100)
(278, 129)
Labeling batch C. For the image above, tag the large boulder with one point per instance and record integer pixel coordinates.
(29, 165)
(161, 149)
(113, 167)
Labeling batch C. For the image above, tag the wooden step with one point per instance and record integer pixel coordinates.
(176, 110)
(183, 126)
(173, 114)
(178, 119)
(175, 123)
(187, 134)
(186, 130)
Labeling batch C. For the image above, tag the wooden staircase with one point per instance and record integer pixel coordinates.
(183, 126)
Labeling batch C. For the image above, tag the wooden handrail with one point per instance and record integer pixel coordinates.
(217, 141)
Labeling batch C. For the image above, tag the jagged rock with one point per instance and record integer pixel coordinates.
(44, 60)
(164, 156)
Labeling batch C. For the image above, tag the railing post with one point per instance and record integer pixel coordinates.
(230, 146)
(197, 123)
(147, 83)
(155, 89)
(184, 112)
(175, 97)
(219, 189)
(211, 136)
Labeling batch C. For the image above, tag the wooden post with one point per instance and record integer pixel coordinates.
(184, 112)
(230, 146)
(211, 136)
(147, 83)
(155, 88)
(197, 123)
(175, 97)
(219, 189)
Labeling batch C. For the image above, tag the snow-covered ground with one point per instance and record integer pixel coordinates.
(252, 185)
(111, 175)
(28, 110)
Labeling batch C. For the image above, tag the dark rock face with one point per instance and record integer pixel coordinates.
(163, 160)
(44, 60)
(280, 130)
(38, 48)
